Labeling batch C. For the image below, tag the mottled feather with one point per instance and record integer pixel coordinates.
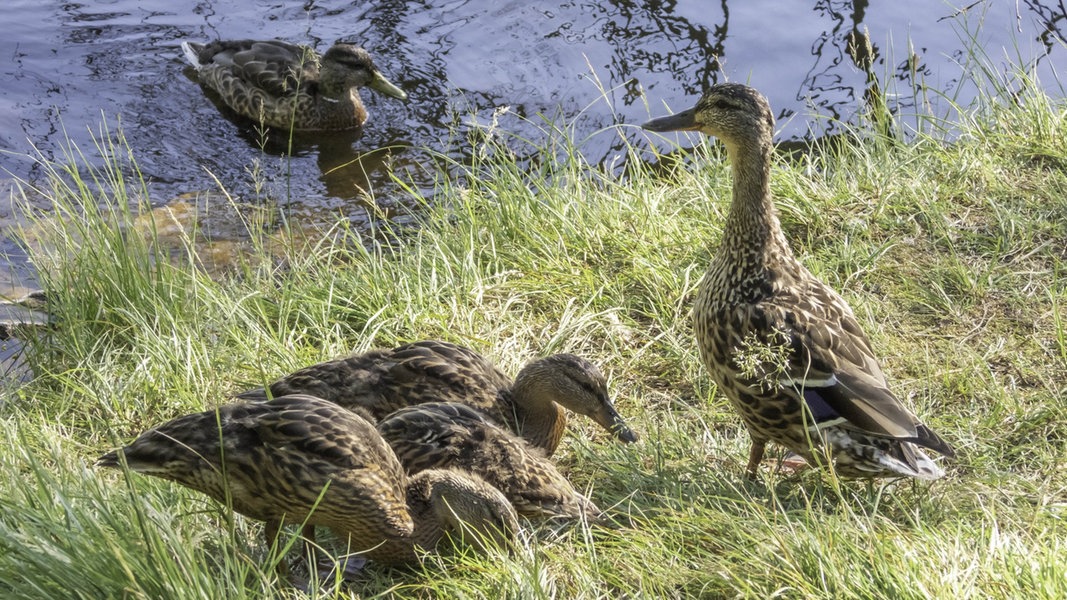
(286, 85)
(784, 348)
(380, 382)
(301, 459)
(447, 434)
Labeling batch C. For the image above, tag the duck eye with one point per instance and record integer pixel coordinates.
(720, 104)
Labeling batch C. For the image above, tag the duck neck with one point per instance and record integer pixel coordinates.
(346, 111)
(331, 82)
(537, 420)
(753, 234)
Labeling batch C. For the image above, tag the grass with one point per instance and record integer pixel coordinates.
(952, 255)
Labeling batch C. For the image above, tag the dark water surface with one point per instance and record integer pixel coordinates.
(69, 66)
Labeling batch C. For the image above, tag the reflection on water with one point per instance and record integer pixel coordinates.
(590, 64)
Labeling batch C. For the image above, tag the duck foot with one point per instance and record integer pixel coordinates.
(348, 568)
(792, 463)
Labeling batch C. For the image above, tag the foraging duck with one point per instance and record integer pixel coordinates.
(301, 459)
(821, 393)
(287, 86)
(383, 381)
(438, 435)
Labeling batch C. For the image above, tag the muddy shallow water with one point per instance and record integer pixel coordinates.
(70, 67)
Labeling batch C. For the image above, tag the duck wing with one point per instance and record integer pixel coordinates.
(380, 382)
(314, 446)
(832, 366)
(453, 435)
(324, 432)
(454, 367)
(432, 370)
(352, 381)
(276, 67)
(432, 435)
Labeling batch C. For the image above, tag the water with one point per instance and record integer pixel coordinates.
(67, 67)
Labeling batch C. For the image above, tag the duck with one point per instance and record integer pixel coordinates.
(532, 405)
(302, 459)
(783, 347)
(289, 86)
(24, 313)
(437, 435)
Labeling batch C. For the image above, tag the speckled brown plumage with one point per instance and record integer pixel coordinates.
(383, 381)
(295, 456)
(287, 86)
(783, 347)
(438, 435)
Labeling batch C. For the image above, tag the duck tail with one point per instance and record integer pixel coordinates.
(191, 50)
(905, 460)
(927, 438)
(882, 457)
(915, 462)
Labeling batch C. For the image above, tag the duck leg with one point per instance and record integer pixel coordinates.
(308, 549)
(270, 532)
(755, 456)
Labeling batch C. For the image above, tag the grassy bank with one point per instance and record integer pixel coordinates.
(953, 255)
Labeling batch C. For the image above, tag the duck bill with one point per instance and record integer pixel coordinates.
(683, 121)
(383, 86)
(610, 419)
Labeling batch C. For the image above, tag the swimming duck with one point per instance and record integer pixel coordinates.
(380, 382)
(301, 459)
(439, 435)
(819, 391)
(20, 315)
(287, 86)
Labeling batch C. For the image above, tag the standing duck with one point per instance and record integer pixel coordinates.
(823, 395)
(438, 435)
(287, 86)
(383, 381)
(301, 459)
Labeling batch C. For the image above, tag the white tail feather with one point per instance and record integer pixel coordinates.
(191, 55)
(875, 460)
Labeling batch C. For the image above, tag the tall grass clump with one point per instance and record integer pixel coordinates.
(950, 250)
(129, 312)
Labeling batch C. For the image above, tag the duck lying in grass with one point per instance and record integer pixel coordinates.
(301, 459)
(286, 86)
(439, 435)
(819, 390)
(383, 381)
